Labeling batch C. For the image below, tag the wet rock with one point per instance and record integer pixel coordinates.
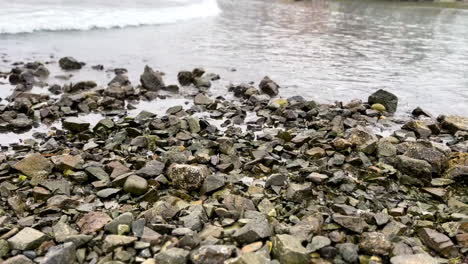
(413, 259)
(438, 242)
(202, 99)
(256, 229)
(185, 78)
(212, 254)
(69, 63)
(375, 243)
(93, 222)
(75, 125)
(35, 166)
(202, 82)
(454, 123)
(27, 239)
(65, 253)
(419, 127)
(353, 223)
(151, 80)
(188, 177)
(269, 87)
(135, 185)
(387, 99)
(172, 256)
(289, 250)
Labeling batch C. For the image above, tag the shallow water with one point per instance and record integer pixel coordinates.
(322, 50)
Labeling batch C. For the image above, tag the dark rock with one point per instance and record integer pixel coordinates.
(269, 87)
(188, 177)
(75, 125)
(256, 229)
(69, 63)
(151, 80)
(35, 166)
(185, 78)
(65, 253)
(353, 223)
(387, 99)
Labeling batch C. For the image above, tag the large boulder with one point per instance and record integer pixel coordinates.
(151, 80)
(70, 63)
(188, 177)
(387, 99)
(454, 123)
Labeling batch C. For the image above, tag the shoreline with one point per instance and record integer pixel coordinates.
(255, 179)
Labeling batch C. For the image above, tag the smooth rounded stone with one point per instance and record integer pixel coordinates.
(26, 239)
(64, 253)
(317, 177)
(123, 219)
(289, 250)
(348, 251)
(375, 243)
(328, 252)
(151, 80)
(75, 125)
(19, 259)
(387, 99)
(256, 229)
(212, 254)
(268, 86)
(135, 185)
(188, 177)
(69, 63)
(378, 107)
(172, 256)
(413, 259)
(318, 242)
(202, 99)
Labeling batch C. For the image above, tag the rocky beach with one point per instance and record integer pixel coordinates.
(245, 178)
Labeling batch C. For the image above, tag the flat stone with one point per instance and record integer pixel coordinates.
(413, 259)
(152, 169)
(289, 250)
(438, 242)
(93, 222)
(75, 125)
(65, 253)
(98, 172)
(20, 259)
(108, 192)
(35, 166)
(353, 223)
(113, 241)
(27, 239)
(172, 256)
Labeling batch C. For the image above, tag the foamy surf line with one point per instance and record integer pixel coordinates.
(16, 21)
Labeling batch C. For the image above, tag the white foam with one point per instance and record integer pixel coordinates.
(27, 17)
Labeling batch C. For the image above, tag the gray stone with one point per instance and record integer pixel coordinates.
(202, 99)
(135, 185)
(152, 169)
(413, 259)
(256, 229)
(318, 242)
(20, 259)
(151, 80)
(289, 250)
(4, 248)
(108, 192)
(113, 241)
(69, 63)
(414, 167)
(188, 177)
(172, 256)
(185, 78)
(353, 223)
(212, 254)
(387, 99)
(65, 253)
(27, 239)
(349, 252)
(212, 183)
(123, 219)
(98, 173)
(75, 124)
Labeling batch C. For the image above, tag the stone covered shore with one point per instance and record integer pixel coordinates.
(258, 179)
